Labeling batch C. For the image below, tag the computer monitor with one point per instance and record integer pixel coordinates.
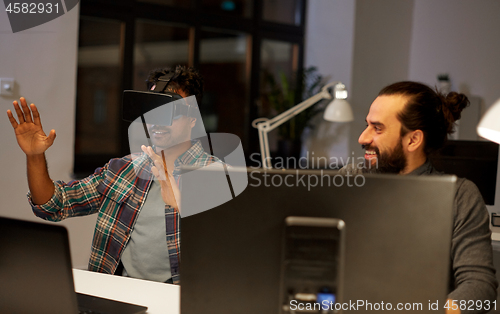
(36, 273)
(474, 160)
(397, 240)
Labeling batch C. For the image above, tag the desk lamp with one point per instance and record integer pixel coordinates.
(338, 110)
(489, 127)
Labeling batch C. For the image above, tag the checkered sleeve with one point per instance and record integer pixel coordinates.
(75, 198)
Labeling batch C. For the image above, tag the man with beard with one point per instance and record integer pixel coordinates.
(138, 225)
(405, 123)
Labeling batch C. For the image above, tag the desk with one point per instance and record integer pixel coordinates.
(160, 298)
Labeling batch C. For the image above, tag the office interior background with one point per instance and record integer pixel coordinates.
(365, 44)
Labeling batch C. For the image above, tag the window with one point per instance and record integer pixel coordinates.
(223, 62)
(227, 41)
(283, 11)
(156, 45)
(98, 92)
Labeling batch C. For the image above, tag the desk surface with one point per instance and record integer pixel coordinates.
(158, 297)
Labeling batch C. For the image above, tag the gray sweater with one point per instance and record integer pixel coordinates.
(472, 274)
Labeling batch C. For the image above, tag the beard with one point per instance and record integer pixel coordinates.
(388, 162)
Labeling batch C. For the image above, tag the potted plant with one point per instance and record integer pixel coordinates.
(281, 94)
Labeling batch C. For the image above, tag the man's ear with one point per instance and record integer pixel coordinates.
(415, 140)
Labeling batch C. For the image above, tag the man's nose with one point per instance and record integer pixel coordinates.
(365, 138)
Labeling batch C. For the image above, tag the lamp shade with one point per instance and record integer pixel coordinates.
(489, 126)
(338, 110)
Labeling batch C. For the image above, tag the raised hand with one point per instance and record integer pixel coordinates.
(29, 131)
(169, 190)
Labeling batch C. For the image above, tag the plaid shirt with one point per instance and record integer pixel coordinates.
(117, 193)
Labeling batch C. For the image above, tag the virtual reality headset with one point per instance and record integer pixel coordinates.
(160, 105)
(163, 108)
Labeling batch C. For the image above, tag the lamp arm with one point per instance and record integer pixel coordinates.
(295, 110)
(292, 112)
(264, 125)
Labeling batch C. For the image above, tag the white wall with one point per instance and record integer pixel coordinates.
(329, 47)
(42, 60)
(381, 55)
(461, 38)
(330, 38)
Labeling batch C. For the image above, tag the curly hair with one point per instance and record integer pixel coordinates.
(186, 79)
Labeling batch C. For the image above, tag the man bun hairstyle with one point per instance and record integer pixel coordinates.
(187, 79)
(427, 110)
(453, 104)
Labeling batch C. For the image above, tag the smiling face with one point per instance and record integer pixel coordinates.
(179, 132)
(382, 137)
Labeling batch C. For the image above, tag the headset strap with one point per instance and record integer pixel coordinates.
(163, 81)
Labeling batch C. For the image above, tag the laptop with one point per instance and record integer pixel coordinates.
(397, 242)
(36, 273)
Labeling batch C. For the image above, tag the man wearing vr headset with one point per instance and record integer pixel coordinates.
(135, 212)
